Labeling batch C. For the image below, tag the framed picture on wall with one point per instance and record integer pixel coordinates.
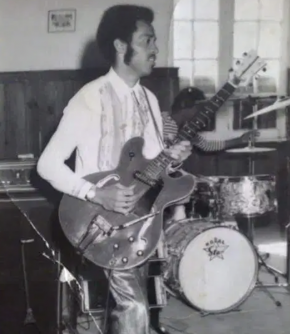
(62, 20)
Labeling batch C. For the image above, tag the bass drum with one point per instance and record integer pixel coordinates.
(213, 268)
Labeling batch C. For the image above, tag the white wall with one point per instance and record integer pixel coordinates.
(26, 45)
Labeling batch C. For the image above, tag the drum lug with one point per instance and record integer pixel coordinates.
(177, 287)
(176, 251)
(165, 267)
(174, 285)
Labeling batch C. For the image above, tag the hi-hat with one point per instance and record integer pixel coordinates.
(275, 106)
(250, 149)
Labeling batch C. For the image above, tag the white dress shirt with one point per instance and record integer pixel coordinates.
(97, 122)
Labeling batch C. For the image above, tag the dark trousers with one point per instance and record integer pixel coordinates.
(129, 290)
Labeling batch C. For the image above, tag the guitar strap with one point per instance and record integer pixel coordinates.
(163, 145)
(159, 136)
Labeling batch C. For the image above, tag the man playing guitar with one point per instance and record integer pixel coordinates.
(97, 122)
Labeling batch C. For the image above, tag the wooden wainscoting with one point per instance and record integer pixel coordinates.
(31, 103)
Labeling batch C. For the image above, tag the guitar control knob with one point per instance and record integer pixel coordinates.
(124, 260)
(116, 246)
(131, 239)
(131, 154)
(140, 253)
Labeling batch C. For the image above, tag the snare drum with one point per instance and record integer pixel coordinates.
(247, 195)
(213, 268)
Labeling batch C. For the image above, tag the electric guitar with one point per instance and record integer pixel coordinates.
(115, 241)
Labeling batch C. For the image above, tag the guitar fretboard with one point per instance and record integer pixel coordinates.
(203, 116)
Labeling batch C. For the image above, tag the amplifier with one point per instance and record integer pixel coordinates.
(16, 172)
(96, 291)
(16, 181)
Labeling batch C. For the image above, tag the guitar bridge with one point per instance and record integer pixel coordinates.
(98, 229)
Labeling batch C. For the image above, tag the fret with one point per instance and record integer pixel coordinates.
(217, 99)
(187, 133)
(164, 159)
(189, 126)
(199, 120)
(206, 111)
(157, 166)
(215, 104)
(204, 118)
(150, 171)
(208, 108)
(182, 137)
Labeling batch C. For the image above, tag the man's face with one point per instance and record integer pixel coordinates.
(141, 53)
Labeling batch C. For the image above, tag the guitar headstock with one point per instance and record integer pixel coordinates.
(245, 69)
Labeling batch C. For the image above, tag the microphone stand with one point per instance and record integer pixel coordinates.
(29, 320)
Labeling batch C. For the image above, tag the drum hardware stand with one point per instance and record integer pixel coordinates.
(250, 234)
(279, 272)
(250, 226)
(29, 319)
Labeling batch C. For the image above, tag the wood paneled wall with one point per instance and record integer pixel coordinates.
(31, 103)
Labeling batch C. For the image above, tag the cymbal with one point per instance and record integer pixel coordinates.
(276, 105)
(251, 150)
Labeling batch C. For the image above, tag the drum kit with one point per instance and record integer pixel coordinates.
(213, 264)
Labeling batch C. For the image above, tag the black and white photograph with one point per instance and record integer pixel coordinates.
(145, 167)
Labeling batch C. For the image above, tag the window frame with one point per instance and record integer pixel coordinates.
(224, 120)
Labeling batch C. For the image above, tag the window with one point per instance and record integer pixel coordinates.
(209, 34)
(196, 43)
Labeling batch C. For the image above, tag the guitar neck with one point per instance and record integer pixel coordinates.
(205, 113)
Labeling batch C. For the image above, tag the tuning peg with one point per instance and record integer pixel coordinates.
(231, 69)
(238, 62)
(245, 54)
(264, 69)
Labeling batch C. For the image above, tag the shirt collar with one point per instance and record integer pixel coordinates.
(120, 86)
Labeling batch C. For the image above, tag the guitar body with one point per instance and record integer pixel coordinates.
(131, 246)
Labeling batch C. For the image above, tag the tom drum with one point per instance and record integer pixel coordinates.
(247, 195)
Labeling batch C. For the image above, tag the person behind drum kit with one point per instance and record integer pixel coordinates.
(186, 99)
(97, 122)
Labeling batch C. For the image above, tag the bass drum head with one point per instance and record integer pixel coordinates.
(218, 270)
